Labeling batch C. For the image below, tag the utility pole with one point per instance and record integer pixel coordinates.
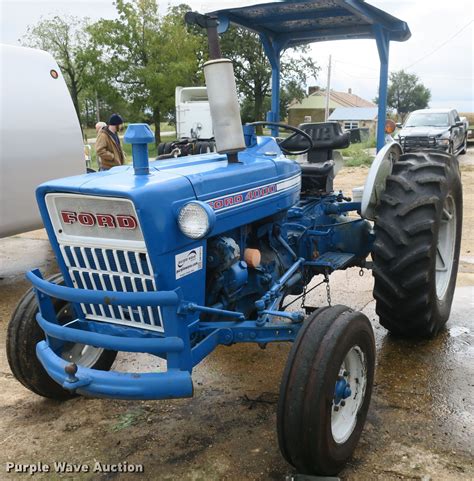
(328, 91)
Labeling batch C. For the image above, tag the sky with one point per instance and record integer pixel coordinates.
(440, 51)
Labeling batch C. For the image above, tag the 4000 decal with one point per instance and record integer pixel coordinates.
(254, 194)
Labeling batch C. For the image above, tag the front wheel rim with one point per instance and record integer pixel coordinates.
(349, 394)
(80, 354)
(445, 247)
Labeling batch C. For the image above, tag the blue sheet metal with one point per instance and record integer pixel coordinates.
(295, 22)
(290, 23)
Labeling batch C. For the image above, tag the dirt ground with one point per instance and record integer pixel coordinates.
(419, 427)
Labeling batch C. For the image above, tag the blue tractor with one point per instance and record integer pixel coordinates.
(176, 257)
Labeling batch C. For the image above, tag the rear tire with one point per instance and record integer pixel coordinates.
(205, 148)
(24, 334)
(313, 435)
(416, 252)
(168, 147)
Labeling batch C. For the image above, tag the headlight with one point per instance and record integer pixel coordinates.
(196, 220)
(443, 141)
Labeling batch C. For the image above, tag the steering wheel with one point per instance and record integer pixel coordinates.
(296, 131)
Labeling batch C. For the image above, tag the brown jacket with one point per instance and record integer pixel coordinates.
(107, 151)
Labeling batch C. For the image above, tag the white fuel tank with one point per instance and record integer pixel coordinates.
(40, 134)
(225, 109)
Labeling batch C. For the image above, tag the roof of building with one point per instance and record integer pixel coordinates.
(354, 113)
(317, 100)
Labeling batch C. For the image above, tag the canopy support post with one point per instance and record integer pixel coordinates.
(273, 51)
(382, 37)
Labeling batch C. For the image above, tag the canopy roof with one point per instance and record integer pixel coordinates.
(295, 22)
(285, 24)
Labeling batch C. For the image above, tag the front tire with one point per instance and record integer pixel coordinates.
(325, 390)
(24, 334)
(416, 252)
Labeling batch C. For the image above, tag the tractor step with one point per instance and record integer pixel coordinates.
(331, 261)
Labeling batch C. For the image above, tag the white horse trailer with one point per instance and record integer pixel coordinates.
(193, 114)
(40, 135)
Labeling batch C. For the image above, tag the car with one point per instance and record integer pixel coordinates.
(440, 129)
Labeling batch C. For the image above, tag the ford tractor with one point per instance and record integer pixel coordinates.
(176, 257)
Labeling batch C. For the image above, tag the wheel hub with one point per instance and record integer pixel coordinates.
(342, 390)
(349, 393)
(446, 247)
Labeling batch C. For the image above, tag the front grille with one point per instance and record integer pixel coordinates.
(104, 269)
(423, 142)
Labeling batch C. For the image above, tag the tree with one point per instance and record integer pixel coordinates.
(406, 93)
(147, 55)
(66, 39)
(253, 71)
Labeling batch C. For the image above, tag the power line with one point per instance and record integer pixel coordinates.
(413, 63)
(441, 45)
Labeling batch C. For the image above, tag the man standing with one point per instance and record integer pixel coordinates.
(108, 147)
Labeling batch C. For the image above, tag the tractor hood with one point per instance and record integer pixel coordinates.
(423, 131)
(262, 183)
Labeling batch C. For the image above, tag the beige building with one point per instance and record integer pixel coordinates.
(356, 118)
(312, 108)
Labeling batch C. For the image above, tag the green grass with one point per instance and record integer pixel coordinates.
(357, 154)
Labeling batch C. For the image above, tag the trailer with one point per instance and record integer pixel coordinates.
(193, 125)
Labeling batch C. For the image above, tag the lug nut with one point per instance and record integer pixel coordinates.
(343, 403)
(336, 408)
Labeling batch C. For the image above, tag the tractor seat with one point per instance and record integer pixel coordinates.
(317, 178)
(326, 137)
(318, 169)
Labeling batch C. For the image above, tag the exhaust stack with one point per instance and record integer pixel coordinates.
(225, 109)
(221, 91)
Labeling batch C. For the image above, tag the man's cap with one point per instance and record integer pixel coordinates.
(115, 119)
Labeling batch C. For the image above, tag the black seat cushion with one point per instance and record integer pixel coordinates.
(317, 178)
(317, 170)
(326, 136)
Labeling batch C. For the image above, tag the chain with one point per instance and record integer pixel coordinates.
(303, 298)
(328, 288)
(361, 272)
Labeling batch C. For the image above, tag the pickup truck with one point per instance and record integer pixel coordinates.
(440, 129)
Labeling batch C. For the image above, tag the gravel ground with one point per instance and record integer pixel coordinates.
(419, 426)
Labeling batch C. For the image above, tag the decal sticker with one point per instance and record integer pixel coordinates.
(188, 262)
(251, 195)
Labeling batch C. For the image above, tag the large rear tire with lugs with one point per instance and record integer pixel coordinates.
(416, 252)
